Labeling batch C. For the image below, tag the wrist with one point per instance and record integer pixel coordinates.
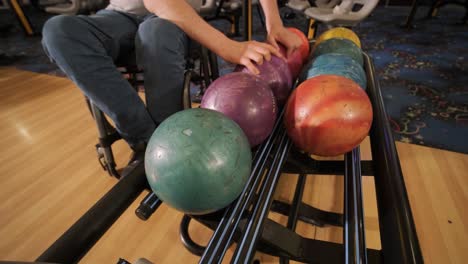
(273, 23)
(224, 47)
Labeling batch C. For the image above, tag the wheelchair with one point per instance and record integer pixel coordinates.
(201, 70)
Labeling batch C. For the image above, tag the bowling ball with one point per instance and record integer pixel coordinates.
(338, 32)
(336, 64)
(198, 161)
(328, 115)
(341, 46)
(247, 100)
(276, 74)
(294, 61)
(304, 49)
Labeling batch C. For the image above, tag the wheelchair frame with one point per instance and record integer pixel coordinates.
(202, 75)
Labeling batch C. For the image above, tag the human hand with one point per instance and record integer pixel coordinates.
(249, 52)
(280, 34)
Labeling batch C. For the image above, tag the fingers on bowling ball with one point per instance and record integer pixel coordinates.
(304, 49)
(277, 75)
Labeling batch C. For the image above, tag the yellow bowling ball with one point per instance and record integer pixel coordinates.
(339, 32)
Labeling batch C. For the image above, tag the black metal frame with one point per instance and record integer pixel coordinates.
(253, 231)
(82, 235)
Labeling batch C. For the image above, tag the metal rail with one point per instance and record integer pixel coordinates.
(247, 245)
(224, 233)
(82, 236)
(253, 231)
(397, 231)
(294, 213)
(353, 227)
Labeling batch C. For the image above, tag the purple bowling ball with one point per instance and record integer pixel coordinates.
(247, 100)
(277, 74)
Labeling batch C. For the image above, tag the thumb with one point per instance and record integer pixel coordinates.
(290, 50)
(274, 43)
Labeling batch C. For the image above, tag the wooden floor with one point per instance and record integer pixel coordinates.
(49, 176)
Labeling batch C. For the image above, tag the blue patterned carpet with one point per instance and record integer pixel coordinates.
(423, 72)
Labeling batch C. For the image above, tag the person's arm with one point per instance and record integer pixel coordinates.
(183, 15)
(274, 25)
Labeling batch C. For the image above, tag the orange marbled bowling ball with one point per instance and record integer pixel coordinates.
(328, 115)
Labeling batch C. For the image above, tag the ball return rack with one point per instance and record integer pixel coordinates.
(245, 221)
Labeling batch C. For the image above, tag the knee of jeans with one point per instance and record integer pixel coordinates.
(56, 30)
(162, 33)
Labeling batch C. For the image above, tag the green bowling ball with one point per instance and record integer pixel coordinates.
(198, 161)
(340, 46)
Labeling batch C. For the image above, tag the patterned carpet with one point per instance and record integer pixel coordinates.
(422, 72)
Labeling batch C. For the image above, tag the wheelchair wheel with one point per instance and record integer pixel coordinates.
(186, 100)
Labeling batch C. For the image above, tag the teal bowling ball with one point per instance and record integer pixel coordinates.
(340, 46)
(198, 161)
(336, 64)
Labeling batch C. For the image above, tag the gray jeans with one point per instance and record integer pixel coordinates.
(87, 48)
